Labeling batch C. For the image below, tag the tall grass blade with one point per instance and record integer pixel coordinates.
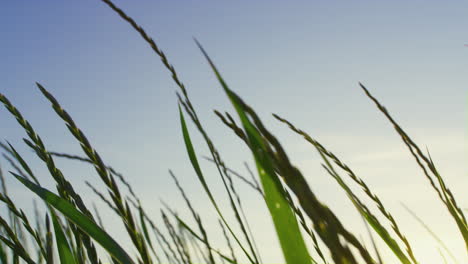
(79, 219)
(199, 238)
(286, 226)
(427, 165)
(368, 216)
(201, 177)
(63, 248)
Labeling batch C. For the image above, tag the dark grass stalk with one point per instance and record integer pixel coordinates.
(222, 170)
(144, 227)
(162, 241)
(424, 161)
(163, 244)
(228, 241)
(304, 225)
(242, 219)
(252, 184)
(198, 252)
(193, 115)
(185, 242)
(112, 171)
(182, 224)
(254, 179)
(325, 152)
(326, 223)
(248, 230)
(12, 217)
(64, 188)
(98, 217)
(15, 166)
(195, 216)
(124, 211)
(49, 241)
(198, 237)
(25, 222)
(182, 227)
(338, 250)
(364, 211)
(238, 131)
(172, 233)
(14, 154)
(174, 237)
(39, 228)
(75, 245)
(257, 188)
(14, 242)
(103, 198)
(231, 124)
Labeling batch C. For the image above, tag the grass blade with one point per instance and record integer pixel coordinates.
(196, 166)
(80, 220)
(63, 248)
(287, 228)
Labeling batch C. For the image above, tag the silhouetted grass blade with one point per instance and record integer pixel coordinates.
(63, 248)
(79, 219)
(287, 228)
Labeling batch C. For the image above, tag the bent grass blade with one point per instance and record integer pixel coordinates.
(287, 228)
(80, 220)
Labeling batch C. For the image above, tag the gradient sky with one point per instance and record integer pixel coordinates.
(300, 59)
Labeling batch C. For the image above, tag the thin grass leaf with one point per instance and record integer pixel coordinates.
(326, 155)
(196, 166)
(195, 235)
(80, 220)
(3, 254)
(145, 230)
(368, 216)
(63, 248)
(287, 228)
(124, 210)
(432, 233)
(427, 165)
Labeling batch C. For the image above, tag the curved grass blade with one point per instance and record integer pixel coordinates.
(63, 248)
(427, 165)
(3, 254)
(429, 230)
(80, 220)
(145, 228)
(365, 212)
(287, 228)
(195, 235)
(196, 166)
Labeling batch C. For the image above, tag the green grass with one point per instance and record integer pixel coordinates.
(297, 214)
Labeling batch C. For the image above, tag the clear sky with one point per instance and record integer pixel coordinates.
(300, 59)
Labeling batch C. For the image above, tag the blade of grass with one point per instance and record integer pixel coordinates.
(199, 238)
(80, 220)
(429, 230)
(368, 216)
(325, 154)
(65, 253)
(424, 161)
(287, 228)
(196, 166)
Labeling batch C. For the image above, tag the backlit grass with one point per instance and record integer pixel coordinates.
(69, 231)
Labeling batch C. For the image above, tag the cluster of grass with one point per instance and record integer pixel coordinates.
(70, 231)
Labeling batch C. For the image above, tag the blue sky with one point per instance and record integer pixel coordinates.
(300, 59)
